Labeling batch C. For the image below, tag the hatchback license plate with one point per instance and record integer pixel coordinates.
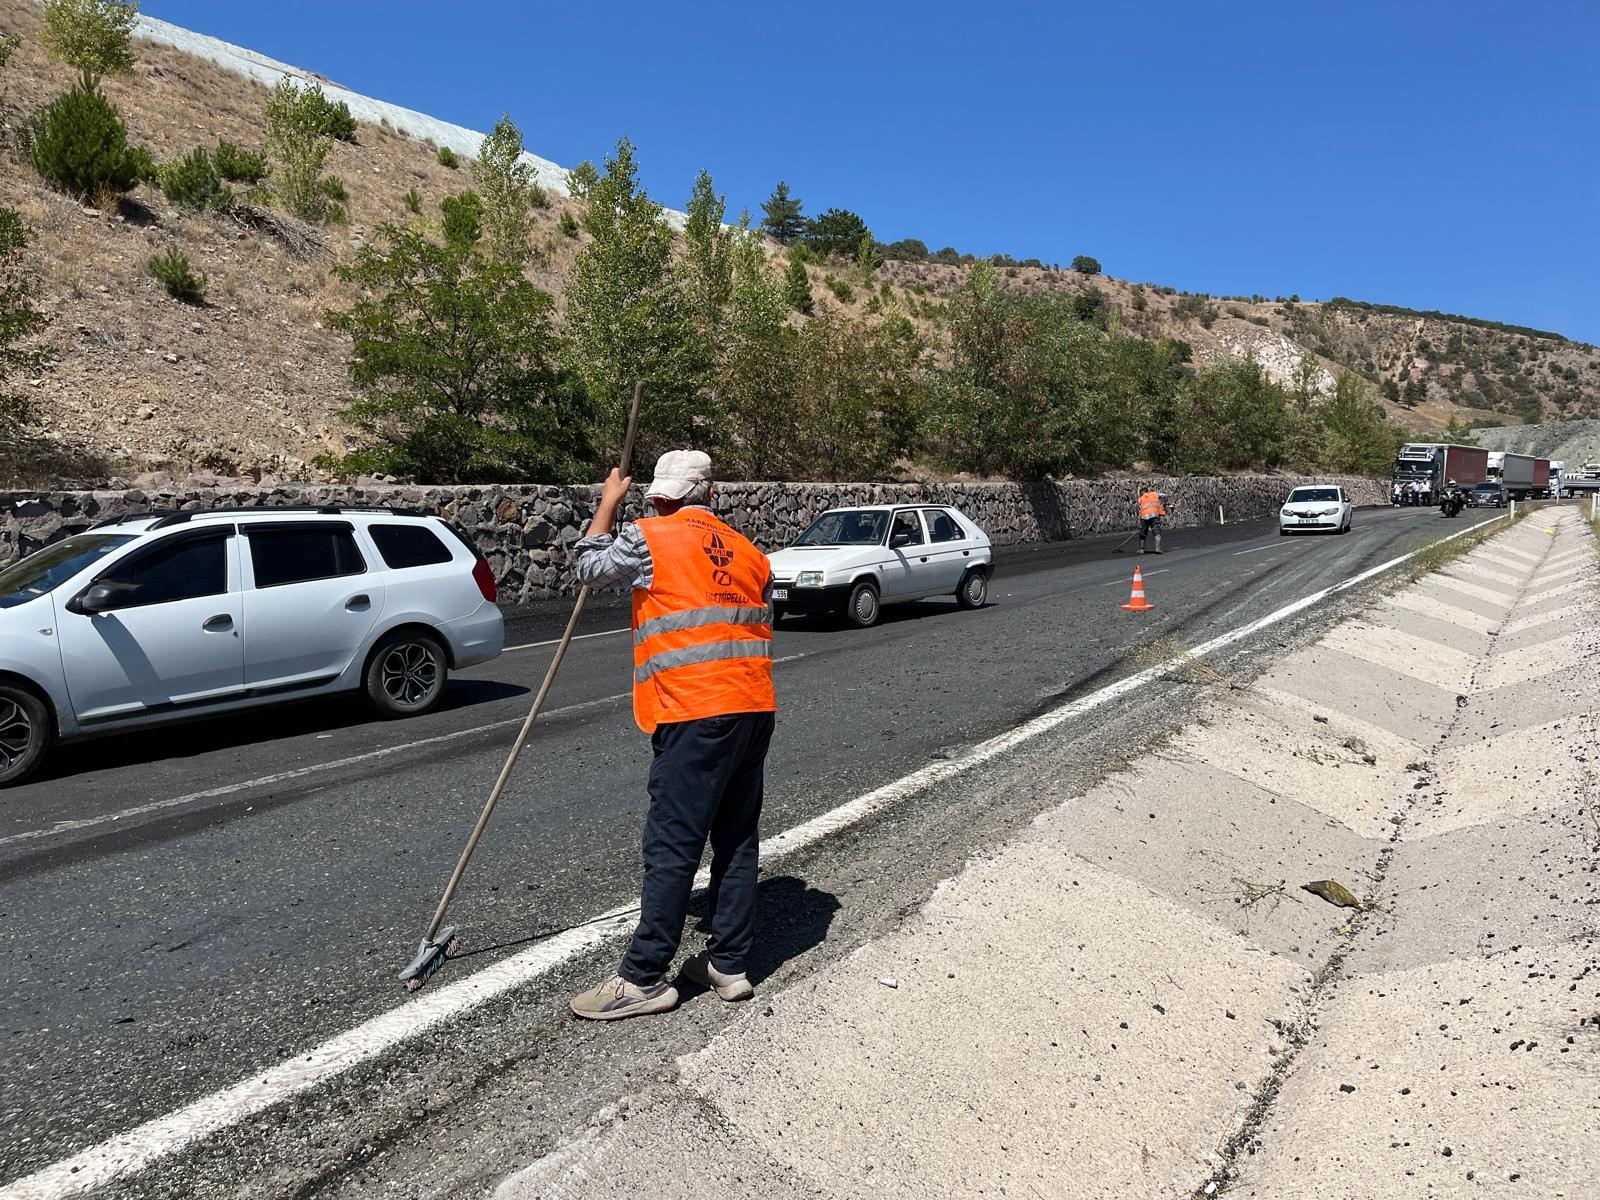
(779, 593)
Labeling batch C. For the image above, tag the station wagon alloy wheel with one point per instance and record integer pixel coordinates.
(16, 734)
(410, 674)
(25, 733)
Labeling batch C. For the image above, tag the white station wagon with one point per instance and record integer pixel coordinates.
(183, 614)
(855, 560)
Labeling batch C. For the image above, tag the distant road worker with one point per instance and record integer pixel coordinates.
(702, 690)
(1151, 512)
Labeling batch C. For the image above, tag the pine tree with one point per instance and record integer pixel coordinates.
(797, 287)
(80, 145)
(782, 220)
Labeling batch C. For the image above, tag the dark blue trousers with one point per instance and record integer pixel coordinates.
(705, 783)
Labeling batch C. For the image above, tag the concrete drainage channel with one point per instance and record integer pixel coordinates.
(1137, 997)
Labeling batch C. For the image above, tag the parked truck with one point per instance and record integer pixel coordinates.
(1522, 475)
(1436, 465)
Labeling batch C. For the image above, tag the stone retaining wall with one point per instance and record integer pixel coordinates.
(527, 530)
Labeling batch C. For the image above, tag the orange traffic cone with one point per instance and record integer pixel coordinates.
(1137, 602)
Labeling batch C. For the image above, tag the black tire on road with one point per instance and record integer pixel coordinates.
(862, 609)
(974, 590)
(405, 675)
(25, 733)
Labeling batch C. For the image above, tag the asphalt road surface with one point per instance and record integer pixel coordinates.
(184, 907)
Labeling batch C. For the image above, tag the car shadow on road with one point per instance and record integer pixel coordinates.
(239, 729)
(892, 614)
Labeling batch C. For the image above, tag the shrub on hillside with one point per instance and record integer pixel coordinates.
(172, 268)
(413, 201)
(193, 181)
(238, 165)
(797, 286)
(1084, 265)
(463, 218)
(18, 319)
(841, 290)
(447, 158)
(80, 145)
(568, 224)
(298, 142)
(92, 35)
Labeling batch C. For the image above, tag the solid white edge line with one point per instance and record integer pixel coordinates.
(136, 1149)
(577, 638)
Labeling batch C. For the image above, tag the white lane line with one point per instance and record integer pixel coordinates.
(577, 638)
(1259, 549)
(1143, 573)
(300, 772)
(98, 1165)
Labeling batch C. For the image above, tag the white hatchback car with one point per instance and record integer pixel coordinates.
(855, 560)
(183, 614)
(1320, 506)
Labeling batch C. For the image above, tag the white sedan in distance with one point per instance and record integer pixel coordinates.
(856, 560)
(1318, 506)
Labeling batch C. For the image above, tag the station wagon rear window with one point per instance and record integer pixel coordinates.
(402, 546)
(43, 570)
(297, 554)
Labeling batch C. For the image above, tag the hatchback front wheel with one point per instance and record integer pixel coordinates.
(405, 675)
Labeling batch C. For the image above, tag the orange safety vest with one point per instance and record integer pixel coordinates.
(1150, 506)
(702, 633)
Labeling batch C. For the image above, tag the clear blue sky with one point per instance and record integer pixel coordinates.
(1432, 154)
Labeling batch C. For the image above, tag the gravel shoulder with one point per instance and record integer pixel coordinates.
(1136, 996)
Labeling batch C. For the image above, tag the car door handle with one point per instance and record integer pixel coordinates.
(966, 554)
(218, 623)
(924, 558)
(355, 602)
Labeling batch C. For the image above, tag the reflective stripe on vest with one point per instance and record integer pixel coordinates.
(702, 630)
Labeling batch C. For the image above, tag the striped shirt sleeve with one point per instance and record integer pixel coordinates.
(622, 561)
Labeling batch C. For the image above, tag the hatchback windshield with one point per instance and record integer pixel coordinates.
(847, 527)
(1301, 495)
(38, 573)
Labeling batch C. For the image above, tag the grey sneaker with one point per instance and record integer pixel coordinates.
(617, 998)
(730, 987)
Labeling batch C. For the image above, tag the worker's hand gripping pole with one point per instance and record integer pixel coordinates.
(439, 942)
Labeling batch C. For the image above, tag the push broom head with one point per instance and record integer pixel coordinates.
(431, 955)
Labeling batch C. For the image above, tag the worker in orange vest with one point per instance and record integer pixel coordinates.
(1151, 512)
(702, 690)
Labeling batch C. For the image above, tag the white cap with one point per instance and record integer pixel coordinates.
(679, 472)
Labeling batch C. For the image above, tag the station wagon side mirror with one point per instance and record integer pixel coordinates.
(96, 598)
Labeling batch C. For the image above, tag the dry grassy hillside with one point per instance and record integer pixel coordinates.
(252, 382)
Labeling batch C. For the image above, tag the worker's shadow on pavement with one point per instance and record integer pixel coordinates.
(791, 918)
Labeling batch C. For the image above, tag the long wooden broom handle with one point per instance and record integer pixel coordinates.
(538, 705)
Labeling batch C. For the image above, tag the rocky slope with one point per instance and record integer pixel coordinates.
(252, 382)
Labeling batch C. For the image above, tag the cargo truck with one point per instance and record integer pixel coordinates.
(1522, 475)
(1435, 465)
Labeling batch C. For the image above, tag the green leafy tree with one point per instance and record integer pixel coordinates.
(1359, 438)
(1414, 393)
(797, 286)
(837, 231)
(1084, 265)
(707, 267)
(454, 352)
(859, 391)
(503, 180)
(80, 145)
(298, 143)
(782, 216)
(1391, 390)
(1231, 416)
(628, 319)
(92, 35)
(755, 369)
(18, 320)
(1305, 383)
